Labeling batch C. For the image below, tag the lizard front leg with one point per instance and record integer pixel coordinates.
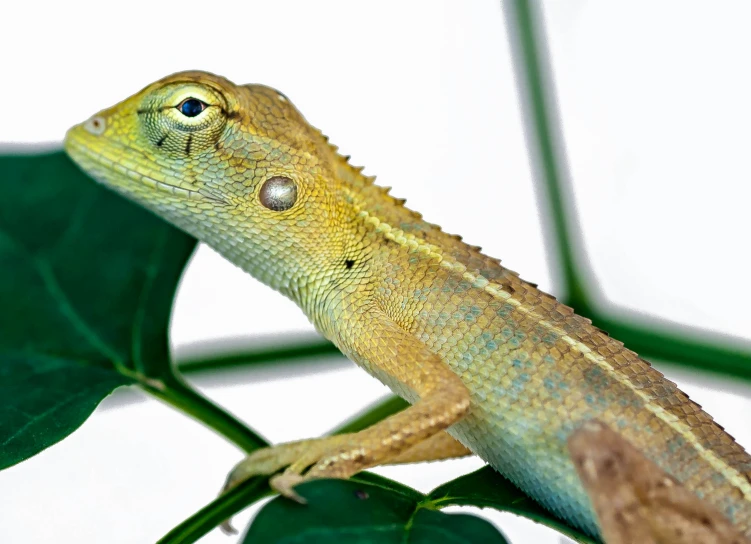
(386, 349)
(438, 447)
(269, 460)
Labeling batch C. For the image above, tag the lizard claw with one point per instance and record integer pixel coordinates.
(281, 483)
(227, 528)
(284, 484)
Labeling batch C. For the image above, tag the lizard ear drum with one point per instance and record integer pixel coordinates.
(278, 193)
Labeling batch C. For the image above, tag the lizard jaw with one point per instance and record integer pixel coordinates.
(101, 161)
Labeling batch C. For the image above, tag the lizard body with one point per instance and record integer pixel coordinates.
(504, 367)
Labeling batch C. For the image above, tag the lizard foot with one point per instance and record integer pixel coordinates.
(284, 484)
(326, 463)
(296, 455)
(269, 460)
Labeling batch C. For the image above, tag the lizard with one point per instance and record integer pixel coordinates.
(490, 364)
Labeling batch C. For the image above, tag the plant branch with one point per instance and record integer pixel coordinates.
(177, 393)
(688, 346)
(304, 349)
(565, 247)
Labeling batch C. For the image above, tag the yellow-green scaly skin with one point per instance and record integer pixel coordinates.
(402, 298)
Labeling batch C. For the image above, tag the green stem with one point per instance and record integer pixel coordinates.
(563, 235)
(689, 348)
(269, 355)
(546, 148)
(214, 513)
(180, 395)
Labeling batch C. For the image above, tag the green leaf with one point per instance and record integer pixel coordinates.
(44, 399)
(487, 488)
(349, 512)
(371, 479)
(86, 287)
(85, 275)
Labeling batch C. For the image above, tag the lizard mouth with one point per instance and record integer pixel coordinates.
(118, 166)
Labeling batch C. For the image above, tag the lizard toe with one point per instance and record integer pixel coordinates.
(285, 483)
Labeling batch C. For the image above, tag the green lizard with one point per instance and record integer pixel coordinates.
(504, 368)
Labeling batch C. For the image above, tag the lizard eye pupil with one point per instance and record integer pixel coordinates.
(190, 107)
(278, 193)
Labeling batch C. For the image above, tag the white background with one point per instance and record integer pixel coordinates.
(654, 100)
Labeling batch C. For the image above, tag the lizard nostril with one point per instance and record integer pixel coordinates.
(95, 125)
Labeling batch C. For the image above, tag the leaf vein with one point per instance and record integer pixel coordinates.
(75, 319)
(81, 393)
(152, 270)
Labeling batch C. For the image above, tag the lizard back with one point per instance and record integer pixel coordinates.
(536, 370)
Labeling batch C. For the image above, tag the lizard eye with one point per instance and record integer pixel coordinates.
(278, 193)
(190, 107)
(183, 119)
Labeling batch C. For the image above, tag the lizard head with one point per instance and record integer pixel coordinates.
(236, 166)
